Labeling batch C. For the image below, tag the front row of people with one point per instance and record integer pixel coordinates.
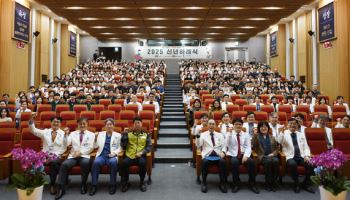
(81, 143)
(237, 146)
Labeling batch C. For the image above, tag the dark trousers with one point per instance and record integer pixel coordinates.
(292, 166)
(127, 162)
(222, 169)
(84, 164)
(53, 171)
(96, 168)
(271, 167)
(235, 162)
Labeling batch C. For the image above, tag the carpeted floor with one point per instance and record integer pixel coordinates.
(172, 182)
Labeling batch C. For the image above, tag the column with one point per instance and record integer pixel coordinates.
(314, 48)
(78, 49)
(246, 55)
(295, 50)
(268, 59)
(52, 28)
(58, 50)
(33, 47)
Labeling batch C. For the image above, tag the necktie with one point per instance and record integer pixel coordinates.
(295, 144)
(151, 102)
(239, 153)
(258, 107)
(274, 106)
(212, 138)
(81, 136)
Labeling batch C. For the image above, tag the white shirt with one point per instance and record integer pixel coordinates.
(58, 146)
(232, 144)
(156, 106)
(85, 147)
(114, 145)
(19, 111)
(246, 126)
(286, 141)
(139, 105)
(223, 128)
(224, 105)
(205, 143)
(275, 128)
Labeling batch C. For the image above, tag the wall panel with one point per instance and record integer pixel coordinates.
(279, 61)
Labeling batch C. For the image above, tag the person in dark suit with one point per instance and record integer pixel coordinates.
(56, 101)
(266, 148)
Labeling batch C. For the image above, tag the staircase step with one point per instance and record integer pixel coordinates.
(171, 124)
(173, 132)
(173, 118)
(173, 142)
(165, 113)
(178, 155)
(168, 105)
(176, 109)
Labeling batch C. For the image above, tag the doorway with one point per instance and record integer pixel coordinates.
(111, 53)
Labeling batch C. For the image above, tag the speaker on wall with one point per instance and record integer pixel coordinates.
(204, 43)
(44, 78)
(140, 43)
(302, 79)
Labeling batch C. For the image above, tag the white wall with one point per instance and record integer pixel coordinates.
(256, 49)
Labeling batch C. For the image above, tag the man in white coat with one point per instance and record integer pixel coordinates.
(54, 142)
(297, 152)
(82, 142)
(108, 144)
(213, 148)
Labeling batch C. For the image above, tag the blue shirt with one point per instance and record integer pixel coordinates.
(107, 147)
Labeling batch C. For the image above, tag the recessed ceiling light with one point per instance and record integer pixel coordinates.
(232, 8)
(194, 8)
(114, 38)
(258, 18)
(153, 8)
(190, 18)
(188, 27)
(99, 27)
(128, 27)
(122, 18)
(158, 33)
(247, 27)
(48, 10)
(134, 33)
(232, 38)
(272, 8)
(213, 33)
(187, 33)
(75, 8)
(156, 18)
(89, 18)
(239, 33)
(107, 33)
(113, 8)
(218, 27)
(224, 18)
(158, 27)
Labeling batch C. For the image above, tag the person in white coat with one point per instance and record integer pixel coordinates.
(82, 144)
(343, 123)
(54, 142)
(297, 152)
(250, 125)
(321, 122)
(225, 102)
(274, 125)
(213, 148)
(239, 150)
(108, 148)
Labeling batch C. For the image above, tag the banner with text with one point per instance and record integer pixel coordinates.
(173, 53)
(21, 28)
(326, 23)
(72, 44)
(273, 44)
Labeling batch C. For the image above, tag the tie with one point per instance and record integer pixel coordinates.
(258, 107)
(151, 102)
(81, 136)
(274, 106)
(295, 144)
(212, 138)
(227, 127)
(239, 153)
(251, 129)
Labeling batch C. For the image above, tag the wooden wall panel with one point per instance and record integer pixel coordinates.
(14, 62)
(301, 45)
(37, 51)
(334, 62)
(279, 61)
(309, 51)
(67, 62)
(291, 61)
(44, 44)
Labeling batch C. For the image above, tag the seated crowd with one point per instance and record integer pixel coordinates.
(228, 106)
(135, 86)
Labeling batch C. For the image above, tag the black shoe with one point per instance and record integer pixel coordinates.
(309, 189)
(204, 188)
(296, 188)
(112, 189)
(59, 194)
(223, 187)
(93, 190)
(235, 188)
(273, 188)
(53, 190)
(125, 187)
(253, 188)
(143, 187)
(83, 188)
(268, 187)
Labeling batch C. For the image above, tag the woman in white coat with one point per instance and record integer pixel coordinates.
(108, 144)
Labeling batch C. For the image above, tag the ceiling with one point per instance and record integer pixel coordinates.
(173, 19)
